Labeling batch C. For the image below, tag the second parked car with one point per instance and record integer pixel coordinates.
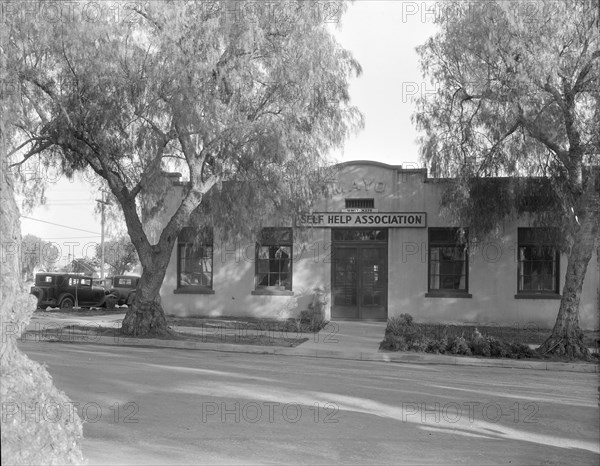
(124, 286)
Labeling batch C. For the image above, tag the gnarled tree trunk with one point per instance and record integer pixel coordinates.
(146, 317)
(567, 337)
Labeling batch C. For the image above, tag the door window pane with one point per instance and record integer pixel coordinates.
(344, 260)
(360, 235)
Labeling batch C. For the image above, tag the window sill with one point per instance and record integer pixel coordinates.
(272, 293)
(537, 296)
(193, 290)
(448, 294)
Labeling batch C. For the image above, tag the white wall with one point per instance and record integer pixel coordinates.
(492, 268)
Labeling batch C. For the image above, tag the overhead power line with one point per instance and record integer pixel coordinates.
(71, 237)
(59, 225)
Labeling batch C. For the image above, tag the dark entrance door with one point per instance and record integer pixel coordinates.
(359, 274)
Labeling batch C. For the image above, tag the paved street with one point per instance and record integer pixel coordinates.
(169, 406)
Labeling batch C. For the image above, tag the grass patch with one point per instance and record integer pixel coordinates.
(298, 326)
(92, 333)
(83, 312)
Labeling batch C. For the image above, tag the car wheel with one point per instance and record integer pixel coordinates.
(38, 293)
(66, 303)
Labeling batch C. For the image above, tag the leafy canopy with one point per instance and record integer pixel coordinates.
(516, 95)
(119, 254)
(259, 100)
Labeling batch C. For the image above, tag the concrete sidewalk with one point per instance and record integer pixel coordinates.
(360, 341)
(339, 340)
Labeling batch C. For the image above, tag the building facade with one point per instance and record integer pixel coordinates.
(377, 247)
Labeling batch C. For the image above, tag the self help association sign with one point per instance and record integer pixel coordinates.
(355, 219)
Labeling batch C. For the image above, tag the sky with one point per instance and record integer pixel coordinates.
(382, 35)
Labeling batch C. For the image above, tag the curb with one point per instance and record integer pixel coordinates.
(403, 358)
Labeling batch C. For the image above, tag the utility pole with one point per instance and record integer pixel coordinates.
(103, 203)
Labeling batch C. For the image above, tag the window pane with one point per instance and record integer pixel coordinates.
(447, 260)
(195, 265)
(273, 259)
(538, 263)
(275, 236)
(444, 236)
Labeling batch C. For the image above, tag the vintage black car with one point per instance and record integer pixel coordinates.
(124, 286)
(66, 290)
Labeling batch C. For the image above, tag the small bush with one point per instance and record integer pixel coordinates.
(401, 334)
(437, 345)
(397, 343)
(520, 351)
(458, 345)
(313, 320)
(400, 325)
(480, 345)
(420, 343)
(498, 348)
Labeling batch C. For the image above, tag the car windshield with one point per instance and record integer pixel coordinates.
(41, 279)
(124, 282)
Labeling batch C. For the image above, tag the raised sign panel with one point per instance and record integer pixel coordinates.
(354, 220)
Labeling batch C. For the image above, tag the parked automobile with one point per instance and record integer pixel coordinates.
(105, 283)
(65, 290)
(124, 286)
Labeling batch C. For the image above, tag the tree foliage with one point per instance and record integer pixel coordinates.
(119, 254)
(518, 96)
(37, 253)
(251, 104)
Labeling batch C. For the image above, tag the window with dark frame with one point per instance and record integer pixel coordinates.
(360, 203)
(448, 262)
(194, 260)
(274, 259)
(538, 262)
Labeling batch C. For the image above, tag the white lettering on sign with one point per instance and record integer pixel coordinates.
(359, 184)
(383, 219)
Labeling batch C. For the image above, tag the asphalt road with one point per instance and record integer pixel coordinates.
(168, 406)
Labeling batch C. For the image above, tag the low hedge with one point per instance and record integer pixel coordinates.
(402, 334)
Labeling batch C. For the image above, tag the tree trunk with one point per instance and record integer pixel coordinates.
(39, 422)
(146, 317)
(567, 337)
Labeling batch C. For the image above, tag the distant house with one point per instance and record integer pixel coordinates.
(379, 247)
(82, 266)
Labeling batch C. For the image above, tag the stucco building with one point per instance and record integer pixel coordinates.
(379, 248)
